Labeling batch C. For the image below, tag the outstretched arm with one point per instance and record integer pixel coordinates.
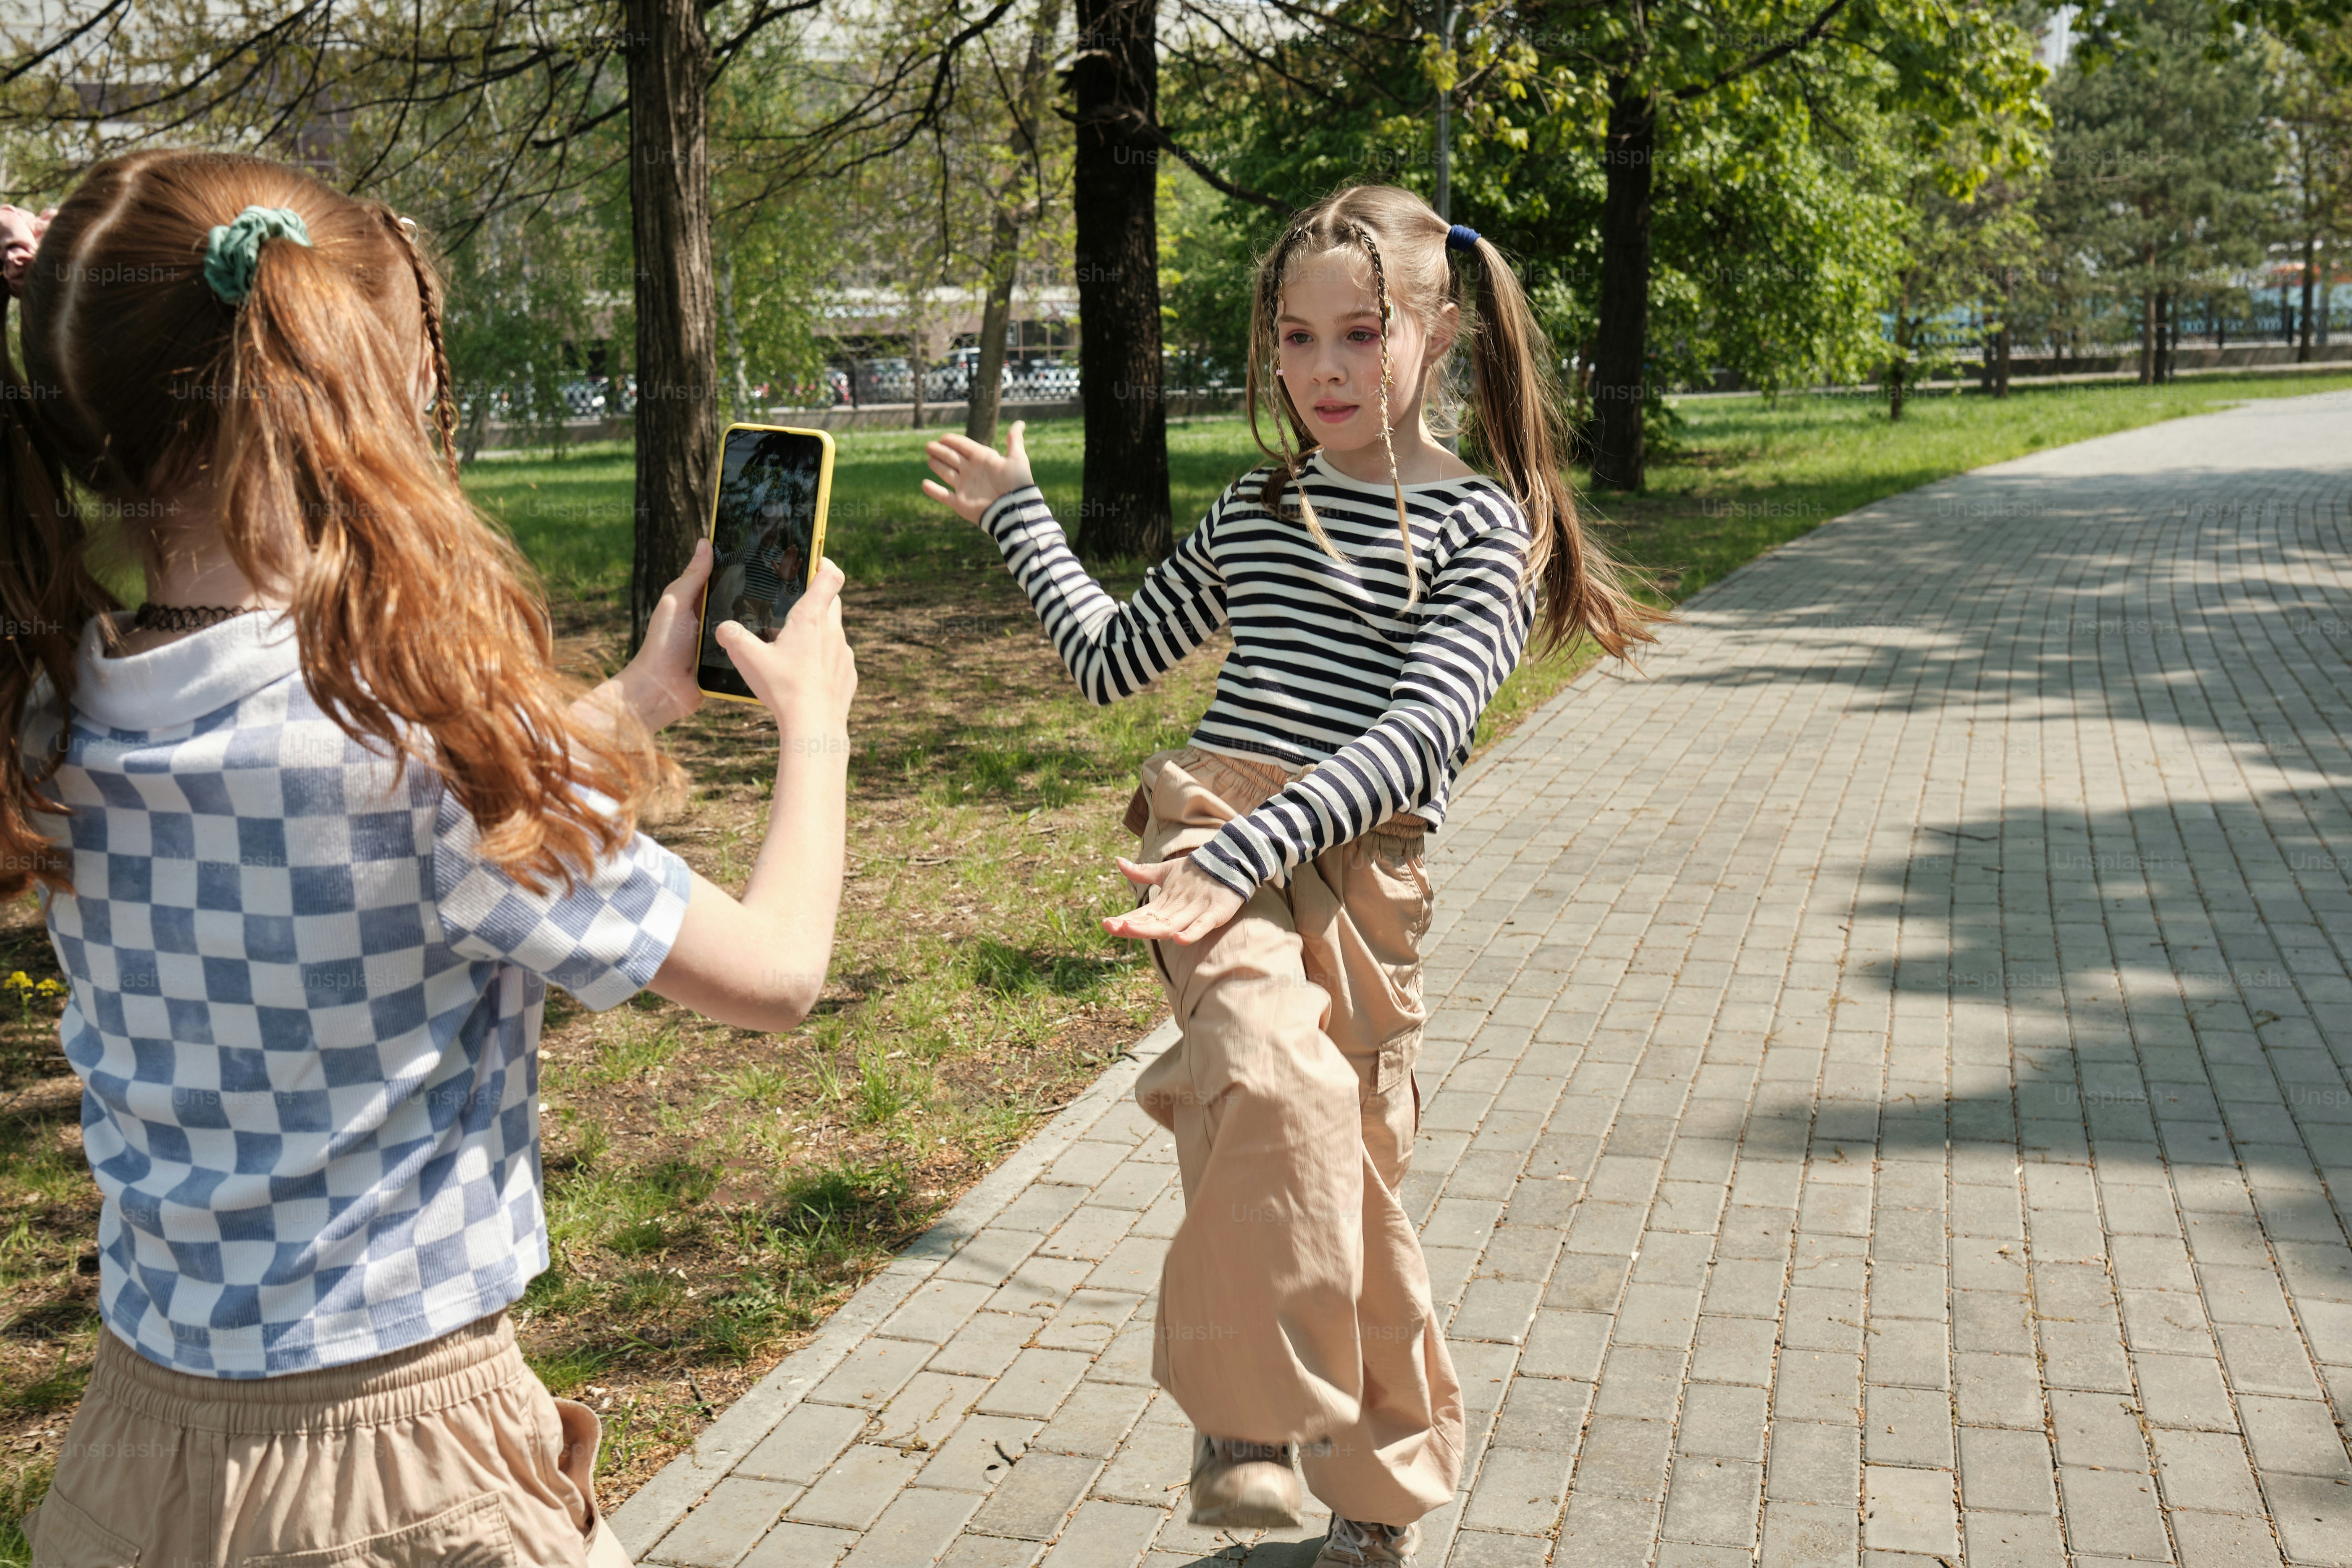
(1113, 651)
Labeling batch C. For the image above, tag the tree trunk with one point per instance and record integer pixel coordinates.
(2310, 282)
(1899, 366)
(1115, 177)
(915, 374)
(1621, 367)
(1028, 108)
(734, 336)
(2167, 333)
(981, 398)
(2147, 337)
(677, 352)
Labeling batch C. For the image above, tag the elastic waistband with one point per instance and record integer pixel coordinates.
(1271, 776)
(452, 1370)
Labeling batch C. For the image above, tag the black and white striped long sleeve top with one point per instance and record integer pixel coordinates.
(1327, 666)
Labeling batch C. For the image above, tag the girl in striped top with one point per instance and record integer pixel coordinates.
(1378, 590)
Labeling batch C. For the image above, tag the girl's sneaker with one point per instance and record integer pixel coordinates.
(1355, 1545)
(1244, 1486)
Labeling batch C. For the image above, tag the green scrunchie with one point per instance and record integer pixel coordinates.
(233, 249)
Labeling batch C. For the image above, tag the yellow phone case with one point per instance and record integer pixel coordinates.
(710, 531)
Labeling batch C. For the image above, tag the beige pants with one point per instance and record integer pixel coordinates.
(1294, 1305)
(449, 1453)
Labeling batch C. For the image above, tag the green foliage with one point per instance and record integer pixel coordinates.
(2162, 165)
(1780, 192)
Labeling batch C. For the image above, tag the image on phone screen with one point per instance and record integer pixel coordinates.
(761, 538)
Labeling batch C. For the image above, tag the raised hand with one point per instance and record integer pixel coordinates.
(972, 476)
(20, 236)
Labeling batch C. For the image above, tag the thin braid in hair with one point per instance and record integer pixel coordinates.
(444, 406)
(1388, 437)
(1288, 463)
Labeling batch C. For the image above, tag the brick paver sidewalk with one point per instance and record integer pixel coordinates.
(1883, 1096)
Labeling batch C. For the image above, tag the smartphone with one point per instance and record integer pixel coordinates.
(767, 535)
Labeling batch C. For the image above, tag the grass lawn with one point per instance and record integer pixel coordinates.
(714, 1193)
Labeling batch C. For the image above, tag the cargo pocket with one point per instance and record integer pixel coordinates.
(473, 1534)
(63, 1536)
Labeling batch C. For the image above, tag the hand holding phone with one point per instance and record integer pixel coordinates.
(806, 676)
(767, 535)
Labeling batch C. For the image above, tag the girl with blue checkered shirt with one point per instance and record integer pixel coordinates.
(317, 826)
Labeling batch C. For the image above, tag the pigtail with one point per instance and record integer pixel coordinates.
(319, 437)
(47, 595)
(1516, 422)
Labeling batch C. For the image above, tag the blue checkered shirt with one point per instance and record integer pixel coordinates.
(306, 1014)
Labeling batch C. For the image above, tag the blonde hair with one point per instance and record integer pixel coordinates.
(1515, 425)
(421, 628)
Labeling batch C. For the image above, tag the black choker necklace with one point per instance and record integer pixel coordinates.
(152, 617)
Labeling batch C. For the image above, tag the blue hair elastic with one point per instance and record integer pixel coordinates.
(233, 249)
(1462, 237)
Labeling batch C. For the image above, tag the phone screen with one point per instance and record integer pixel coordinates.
(763, 539)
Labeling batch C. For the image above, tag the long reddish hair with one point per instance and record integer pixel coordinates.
(422, 632)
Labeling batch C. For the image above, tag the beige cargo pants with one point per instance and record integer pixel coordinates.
(1293, 1304)
(450, 1453)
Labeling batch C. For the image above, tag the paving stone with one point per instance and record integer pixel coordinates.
(2004, 1470)
(1722, 1421)
(981, 1453)
(989, 1552)
(1618, 1531)
(1565, 1344)
(985, 1345)
(1088, 1320)
(2313, 1522)
(1714, 1500)
(917, 1528)
(2183, 1391)
(936, 1310)
(2205, 1470)
(1034, 1501)
(1035, 1384)
(2295, 1436)
(2098, 1431)
(1909, 1511)
(1806, 1535)
(873, 1372)
(2112, 1512)
(2014, 1541)
(855, 1489)
(1520, 1490)
(1818, 1385)
(2222, 1541)
(734, 1516)
(809, 1437)
(1624, 1458)
(1104, 1535)
(1907, 1426)
(1093, 1420)
(1542, 1414)
(1734, 1350)
(1812, 1463)
(794, 1545)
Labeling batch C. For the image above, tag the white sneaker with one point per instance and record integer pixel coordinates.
(1355, 1545)
(1243, 1485)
